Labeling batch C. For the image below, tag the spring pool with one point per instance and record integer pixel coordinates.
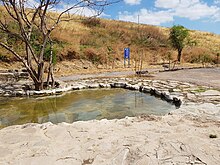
(81, 106)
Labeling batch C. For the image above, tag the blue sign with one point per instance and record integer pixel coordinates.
(127, 53)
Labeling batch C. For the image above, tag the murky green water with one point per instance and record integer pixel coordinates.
(80, 105)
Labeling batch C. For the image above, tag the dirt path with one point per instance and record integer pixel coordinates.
(202, 76)
(98, 75)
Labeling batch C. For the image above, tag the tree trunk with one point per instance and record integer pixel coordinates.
(40, 84)
(52, 78)
(179, 55)
(50, 72)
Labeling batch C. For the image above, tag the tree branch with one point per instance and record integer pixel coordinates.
(20, 59)
(12, 51)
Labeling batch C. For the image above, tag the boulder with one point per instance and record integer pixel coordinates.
(104, 85)
(146, 89)
(119, 85)
(132, 87)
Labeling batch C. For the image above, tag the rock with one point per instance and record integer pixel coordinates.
(19, 93)
(40, 93)
(6, 94)
(132, 87)
(29, 93)
(157, 93)
(104, 85)
(17, 86)
(119, 85)
(94, 85)
(210, 93)
(142, 72)
(177, 102)
(1, 91)
(177, 90)
(26, 87)
(191, 96)
(24, 74)
(100, 66)
(3, 71)
(24, 70)
(152, 91)
(9, 88)
(146, 89)
(78, 87)
(166, 96)
(61, 90)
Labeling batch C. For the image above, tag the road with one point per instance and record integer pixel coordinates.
(202, 76)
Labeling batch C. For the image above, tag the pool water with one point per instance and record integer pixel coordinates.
(80, 106)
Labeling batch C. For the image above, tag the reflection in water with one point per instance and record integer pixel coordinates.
(80, 105)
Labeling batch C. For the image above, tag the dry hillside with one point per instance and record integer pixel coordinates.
(100, 43)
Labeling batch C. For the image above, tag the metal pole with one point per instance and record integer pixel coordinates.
(129, 62)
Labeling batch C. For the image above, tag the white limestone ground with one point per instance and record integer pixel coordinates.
(180, 137)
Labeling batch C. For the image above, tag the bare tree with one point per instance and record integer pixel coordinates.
(31, 17)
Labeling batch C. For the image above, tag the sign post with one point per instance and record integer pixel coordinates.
(126, 56)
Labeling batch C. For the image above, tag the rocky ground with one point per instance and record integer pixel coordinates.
(188, 135)
(179, 138)
(200, 76)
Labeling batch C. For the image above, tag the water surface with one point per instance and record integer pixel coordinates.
(80, 106)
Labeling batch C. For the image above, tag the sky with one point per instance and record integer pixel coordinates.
(203, 15)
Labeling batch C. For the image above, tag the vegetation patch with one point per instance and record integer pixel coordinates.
(199, 90)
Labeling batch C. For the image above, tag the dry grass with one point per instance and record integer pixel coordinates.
(103, 41)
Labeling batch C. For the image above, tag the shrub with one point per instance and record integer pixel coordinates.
(72, 55)
(196, 55)
(47, 55)
(4, 58)
(92, 56)
(206, 58)
(148, 36)
(88, 41)
(92, 22)
(216, 61)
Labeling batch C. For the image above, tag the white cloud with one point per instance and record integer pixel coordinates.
(172, 4)
(217, 2)
(191, 9)
(196, 11)
(133, 2)
(166, 10)
(216, 16)
(147, 17)
(166, 4)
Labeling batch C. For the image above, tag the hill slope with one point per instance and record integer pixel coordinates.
(96, 42)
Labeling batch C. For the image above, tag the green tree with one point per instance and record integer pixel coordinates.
(178, 37)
